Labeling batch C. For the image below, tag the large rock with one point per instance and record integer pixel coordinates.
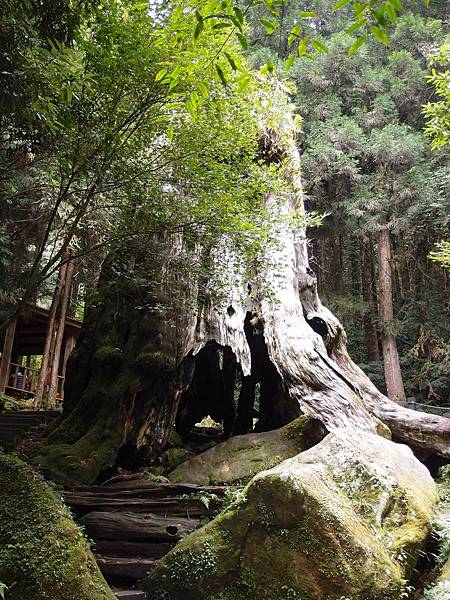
(243, 456)
(43, 555)
(345, 519)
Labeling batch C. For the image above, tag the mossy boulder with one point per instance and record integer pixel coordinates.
(242, 456)
(172, 457)
(43, 554)
(345, 519)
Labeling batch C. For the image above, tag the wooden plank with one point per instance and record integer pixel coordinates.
(125, 568)
(129, 594)
(153, 488)
(118, 548)
(132, 526)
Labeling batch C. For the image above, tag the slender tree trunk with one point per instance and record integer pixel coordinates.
(56, 357)
(392, 371)
(367, 276)
(44, 374)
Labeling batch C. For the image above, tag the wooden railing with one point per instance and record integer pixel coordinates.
(25, 379)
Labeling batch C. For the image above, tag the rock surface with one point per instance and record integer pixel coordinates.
(243, 456)
(43, 555)
(345, 519)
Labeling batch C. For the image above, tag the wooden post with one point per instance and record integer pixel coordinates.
(6, 354)
(54, 373)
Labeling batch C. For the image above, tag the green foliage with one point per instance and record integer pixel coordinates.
(366, 164)
(109, 125)
(442, 254)
(438, 112)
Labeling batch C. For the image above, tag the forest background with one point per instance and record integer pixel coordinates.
(84, 91)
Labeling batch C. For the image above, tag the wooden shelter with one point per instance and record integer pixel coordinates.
(26, 336)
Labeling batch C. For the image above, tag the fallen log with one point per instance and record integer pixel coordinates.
(151, 489)
(175, 507)
(132, 526)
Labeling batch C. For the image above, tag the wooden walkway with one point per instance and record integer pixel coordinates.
(133, 524)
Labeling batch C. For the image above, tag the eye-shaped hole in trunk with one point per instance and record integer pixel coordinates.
(172, 529)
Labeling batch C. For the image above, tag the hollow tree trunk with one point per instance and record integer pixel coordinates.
(392, 371)
(137, 354)
(367, 276)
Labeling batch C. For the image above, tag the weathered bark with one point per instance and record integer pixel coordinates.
(132, 526)
(56, 357)
(367, 276)
(44, 375)
(392, 371)
(137, 355)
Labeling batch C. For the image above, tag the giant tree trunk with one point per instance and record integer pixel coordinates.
(392, 371)
(144, 343)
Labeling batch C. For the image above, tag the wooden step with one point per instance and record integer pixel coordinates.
(129, 594)
(152, 489)
(119, 548)
(165, 506)
(132, 526)
(131, 568)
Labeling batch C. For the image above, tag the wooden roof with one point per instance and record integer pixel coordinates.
(31, 330)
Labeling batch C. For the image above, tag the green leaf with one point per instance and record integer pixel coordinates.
(221, 75)
(242, 40)
(203, 89)
(198, 29)
(243, 82)
(161, 74)
(302, 46)
(269, 4)
(294, 34)
(341, 4)
(191, 109)
(269, 67)
(289, 62)
(397, 4)
(230, 59)
(356, 25)
(426, 3)
(140, 6)
(239, 14)
(357, 44)
(391, 13)
(198, 16)
(358, 8)
(380, 35)
(320, 46)
(270, 25)
(307, 14)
